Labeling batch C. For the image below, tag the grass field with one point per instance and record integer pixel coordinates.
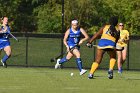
(49, 80)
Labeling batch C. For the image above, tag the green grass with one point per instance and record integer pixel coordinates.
(49, 80)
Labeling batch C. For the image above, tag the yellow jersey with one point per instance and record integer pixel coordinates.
(107, 40)
(124, 36)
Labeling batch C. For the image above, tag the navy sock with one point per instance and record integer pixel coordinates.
(79, 63)
(63, 60)
(5, 58)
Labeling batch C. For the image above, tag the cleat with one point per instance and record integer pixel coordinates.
(110, 74)
(57, 65)
(4, 64)
(90, 76)
(83, 71)
(120, 71)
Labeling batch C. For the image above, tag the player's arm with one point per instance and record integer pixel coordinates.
(65, 38)
(124, 38)
(98, 34)
(127, 37)
(86, 37)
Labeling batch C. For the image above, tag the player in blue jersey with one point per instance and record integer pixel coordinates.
(4, 40)
(71, 39)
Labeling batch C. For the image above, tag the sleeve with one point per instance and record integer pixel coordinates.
(127, 35)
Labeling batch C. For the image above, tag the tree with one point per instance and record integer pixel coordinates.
(49, 17)
(128, 12)
(9, 8)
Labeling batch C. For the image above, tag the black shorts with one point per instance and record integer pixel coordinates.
(108, 49)
(119, 48)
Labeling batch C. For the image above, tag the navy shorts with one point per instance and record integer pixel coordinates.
(3, 44)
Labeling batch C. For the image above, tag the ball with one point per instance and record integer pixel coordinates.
(71, 74)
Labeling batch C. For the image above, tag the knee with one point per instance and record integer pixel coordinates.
(113, 60)
(8, 53)
(98, 61)
(77, 55)
(123, 60)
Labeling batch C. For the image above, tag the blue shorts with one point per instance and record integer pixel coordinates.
(3, 44)
(104, 43)
(73, 45)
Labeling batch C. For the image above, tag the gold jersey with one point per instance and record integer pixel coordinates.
(124, 37)
(107, 40)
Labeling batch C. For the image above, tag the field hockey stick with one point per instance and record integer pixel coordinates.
(55, 58)
(94, 45)
(90, 45)
(13, 36)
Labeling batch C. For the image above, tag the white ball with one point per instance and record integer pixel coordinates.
(71, 74)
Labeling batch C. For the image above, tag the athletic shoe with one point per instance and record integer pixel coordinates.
(110, 74)
(57, 65)
(120, 71)
(83, 71)
(90, 76)
(4, 64)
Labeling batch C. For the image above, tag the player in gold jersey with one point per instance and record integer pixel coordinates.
(122, 46)
(109, 36)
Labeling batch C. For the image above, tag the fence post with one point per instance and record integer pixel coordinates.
(128, 49)
(62, 46)
(26, 49)
(62, 26)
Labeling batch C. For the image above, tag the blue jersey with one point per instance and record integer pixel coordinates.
(74, 37)
(4, 38)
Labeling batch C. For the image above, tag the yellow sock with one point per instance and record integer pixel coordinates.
(94, 67)
(112, 63)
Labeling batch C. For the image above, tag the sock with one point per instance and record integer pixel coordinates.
(79, 63)
(120, 69)
(94, 67)
(112, 63)
(5, 58)
(63, 60)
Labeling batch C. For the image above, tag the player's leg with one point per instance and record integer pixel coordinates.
(76, 52)
(63, 60)
(69, 54)
(119, 59)
(124, 54)
(112, 55)
(0, 51)
(66, 58)
(122, 60)
(7, 55)
(99, 56)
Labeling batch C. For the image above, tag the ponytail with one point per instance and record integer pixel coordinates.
(113, 31)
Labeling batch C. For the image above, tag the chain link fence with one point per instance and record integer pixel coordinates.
(37, 50)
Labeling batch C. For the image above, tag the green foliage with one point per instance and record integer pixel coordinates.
(9, 8)
(49, 17)
(45, 16)
(128, 12)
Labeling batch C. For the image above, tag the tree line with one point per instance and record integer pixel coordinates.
(45, 16)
